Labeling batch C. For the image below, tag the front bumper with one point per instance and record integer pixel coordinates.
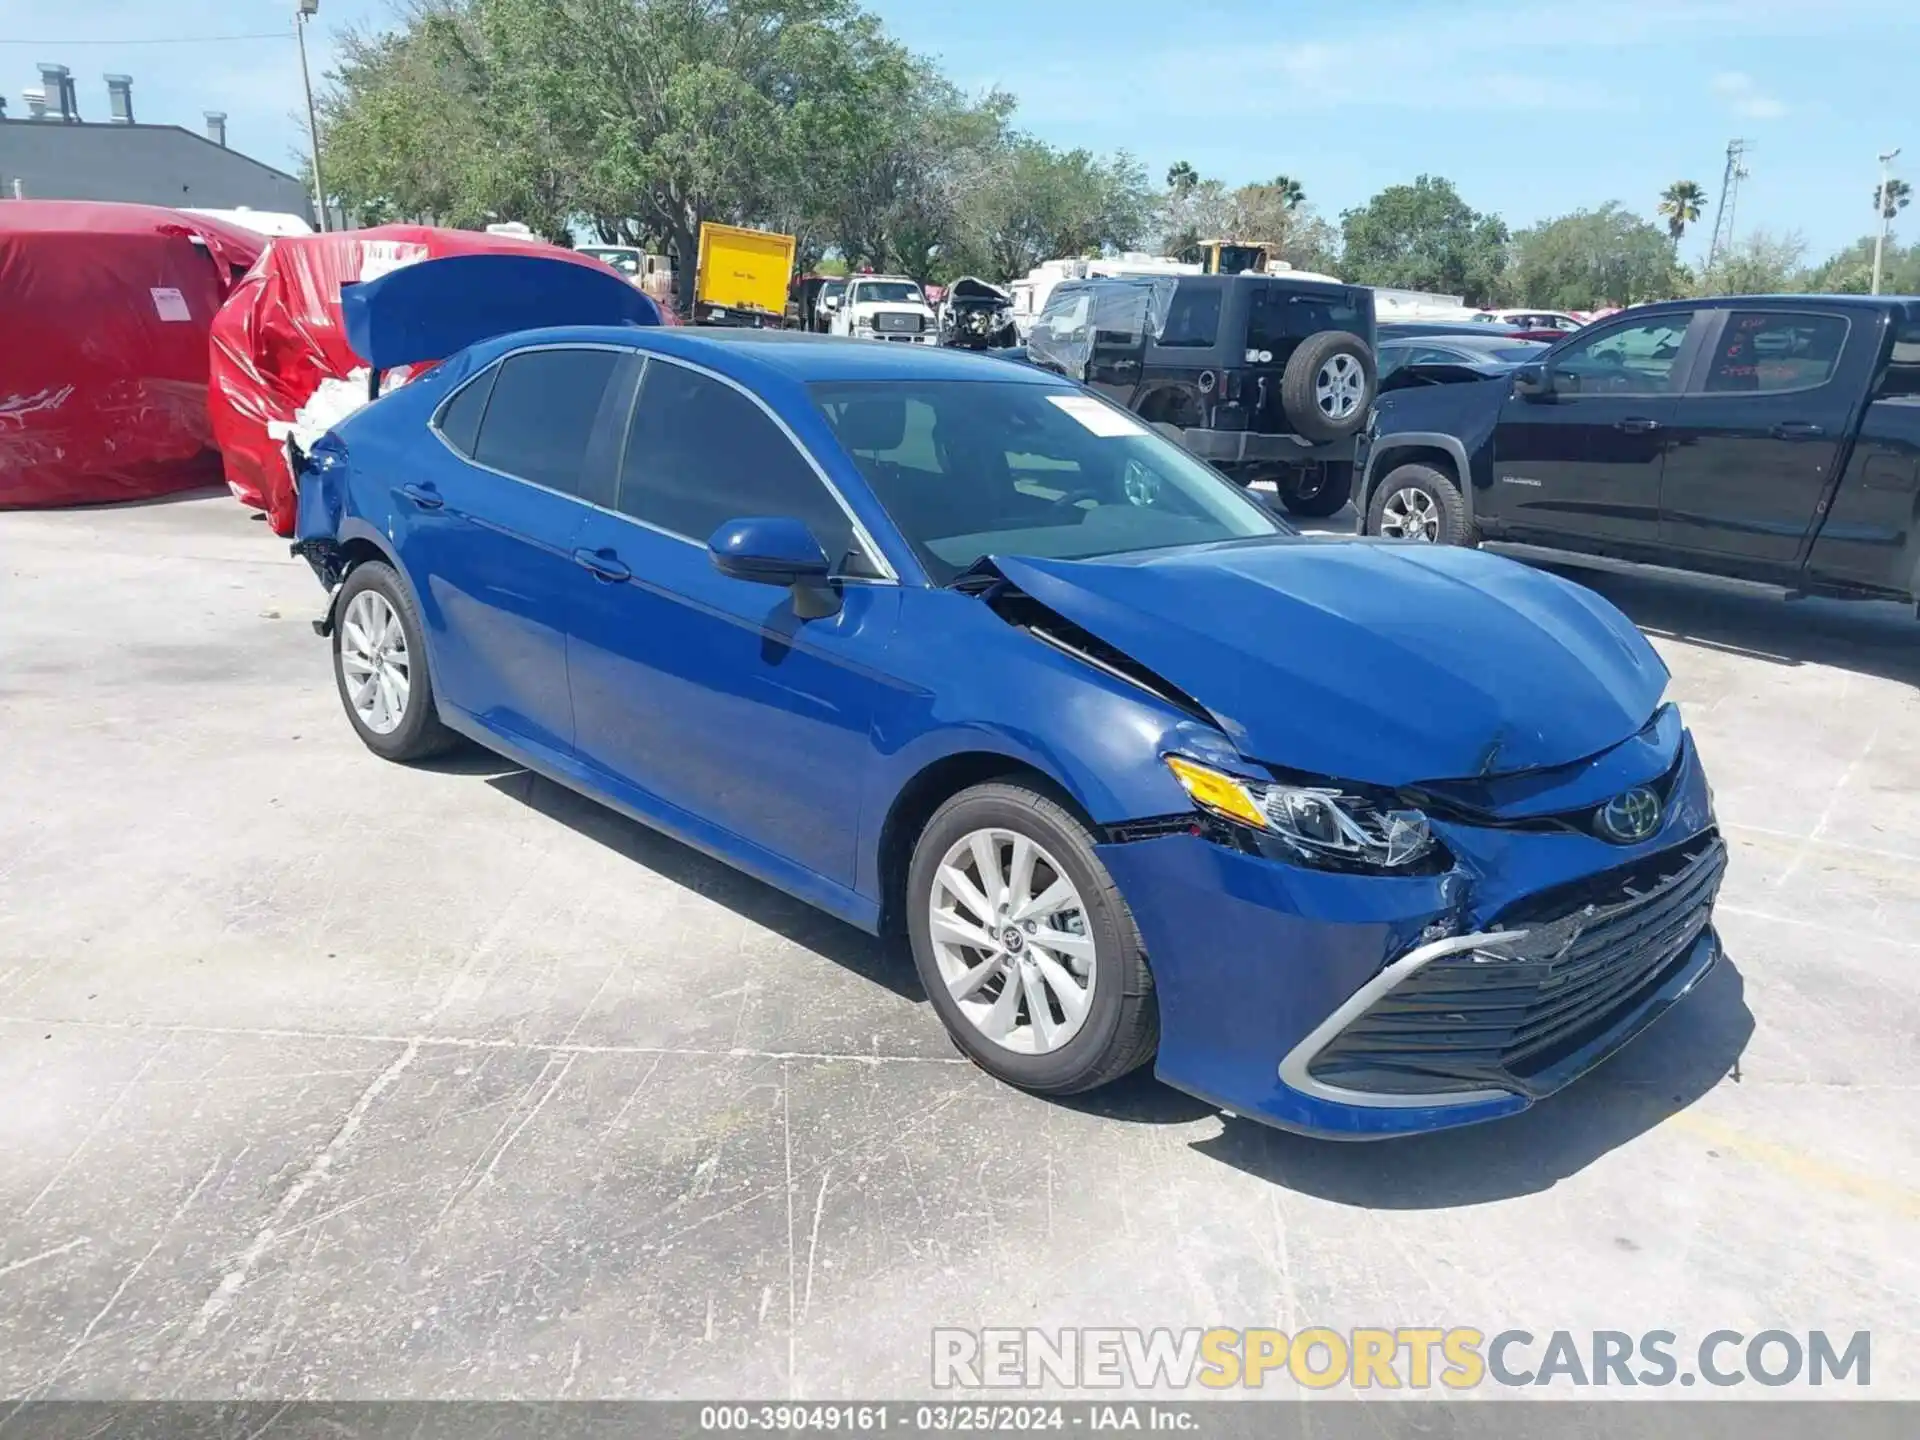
(1353, 1007)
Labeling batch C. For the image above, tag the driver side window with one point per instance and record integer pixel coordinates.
(1635, 359)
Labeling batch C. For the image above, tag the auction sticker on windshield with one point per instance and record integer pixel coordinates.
(1100, 419)
(169, 303)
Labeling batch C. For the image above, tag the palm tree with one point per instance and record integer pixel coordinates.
(1291, 195)
(1182, 177)
(1891, 200)
(1681, 202)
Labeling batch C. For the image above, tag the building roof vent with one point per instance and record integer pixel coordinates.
(119, 99)
(57, 92)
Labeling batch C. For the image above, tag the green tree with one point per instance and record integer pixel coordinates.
(1850, 271)
(1035, 203)
(1195, 210)
(1592, 258)
(1181, 177)
(1890, 199)
(1761, 264)
(1288, 190)
(1423, 236)
(1681, 203)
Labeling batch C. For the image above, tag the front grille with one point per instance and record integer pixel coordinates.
(898, 324)
(1594, 955)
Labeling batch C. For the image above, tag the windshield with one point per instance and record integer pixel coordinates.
(966, 468)
(891, 292)
(627, 262)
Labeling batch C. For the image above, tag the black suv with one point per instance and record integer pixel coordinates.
(1266, 377)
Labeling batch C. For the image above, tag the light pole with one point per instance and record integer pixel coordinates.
(308, 9)
(1886, 216)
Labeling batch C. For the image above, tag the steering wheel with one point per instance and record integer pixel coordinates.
(1074, 497)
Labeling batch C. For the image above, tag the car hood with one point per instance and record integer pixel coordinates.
(892, 307)
(1367, 660)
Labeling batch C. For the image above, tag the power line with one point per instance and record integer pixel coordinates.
(157, 40)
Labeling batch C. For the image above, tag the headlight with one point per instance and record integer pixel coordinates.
(1319, 825)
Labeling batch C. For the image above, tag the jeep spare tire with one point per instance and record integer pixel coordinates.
(1328, 385)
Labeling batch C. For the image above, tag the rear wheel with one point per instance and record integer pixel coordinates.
(380, 667)
(1317, 491)
(1026, 948)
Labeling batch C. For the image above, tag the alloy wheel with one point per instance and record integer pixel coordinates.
(1410, 514)
(1010, 938)
(1340, 386)
(373, 659)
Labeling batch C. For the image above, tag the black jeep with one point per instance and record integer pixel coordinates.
(1267, 377)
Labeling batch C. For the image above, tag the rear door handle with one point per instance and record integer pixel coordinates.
(424, 496)
(604, 565)
(1637, 425)
(1797, 430)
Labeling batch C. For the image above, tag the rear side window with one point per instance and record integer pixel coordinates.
(699, 453)
(540, 418)
(1120, 314)
(1903, 365)
(460, 416)
(1279, 319)
(1193, 318)
(1762, 351)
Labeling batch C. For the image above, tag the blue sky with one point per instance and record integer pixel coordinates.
(1532, 107)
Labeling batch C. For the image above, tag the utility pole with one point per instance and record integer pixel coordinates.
(1736, 171)
(1886, 215)
(308, 9)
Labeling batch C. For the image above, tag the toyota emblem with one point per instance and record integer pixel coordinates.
(1629, 818)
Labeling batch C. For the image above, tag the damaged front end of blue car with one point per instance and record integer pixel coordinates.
(1345, 948)
(1471, 954)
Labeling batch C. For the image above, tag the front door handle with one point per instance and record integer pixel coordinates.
(1797, 430)
(1637, 425)
(423, 496)
(604, 564)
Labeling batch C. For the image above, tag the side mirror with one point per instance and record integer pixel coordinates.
(777, 550)
(1532, 381)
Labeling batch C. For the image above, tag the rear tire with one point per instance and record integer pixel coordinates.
(1420, 504)
(1082, 959)
(1329, 497)
(380, 667)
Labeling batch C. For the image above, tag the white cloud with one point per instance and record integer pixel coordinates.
(1744, 97)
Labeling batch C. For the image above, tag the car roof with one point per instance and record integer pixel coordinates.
(1906, 306)
(746, 354)
(1469, 343)
(1414, 329)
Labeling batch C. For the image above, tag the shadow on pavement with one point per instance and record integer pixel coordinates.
(855, 950)
(1661, 1072)
(149, 502)
(1866, 637)
(1679, 1059)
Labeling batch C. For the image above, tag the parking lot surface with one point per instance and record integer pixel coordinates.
(326, 1077)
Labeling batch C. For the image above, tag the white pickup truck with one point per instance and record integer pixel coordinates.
(886, 307)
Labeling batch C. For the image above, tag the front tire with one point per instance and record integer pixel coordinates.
(380, 667)
(1420, 503)
(1025, 946)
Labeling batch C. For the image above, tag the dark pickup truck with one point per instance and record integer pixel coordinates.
(1771, 438)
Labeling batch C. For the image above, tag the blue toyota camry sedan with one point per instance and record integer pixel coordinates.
(1353, 837)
